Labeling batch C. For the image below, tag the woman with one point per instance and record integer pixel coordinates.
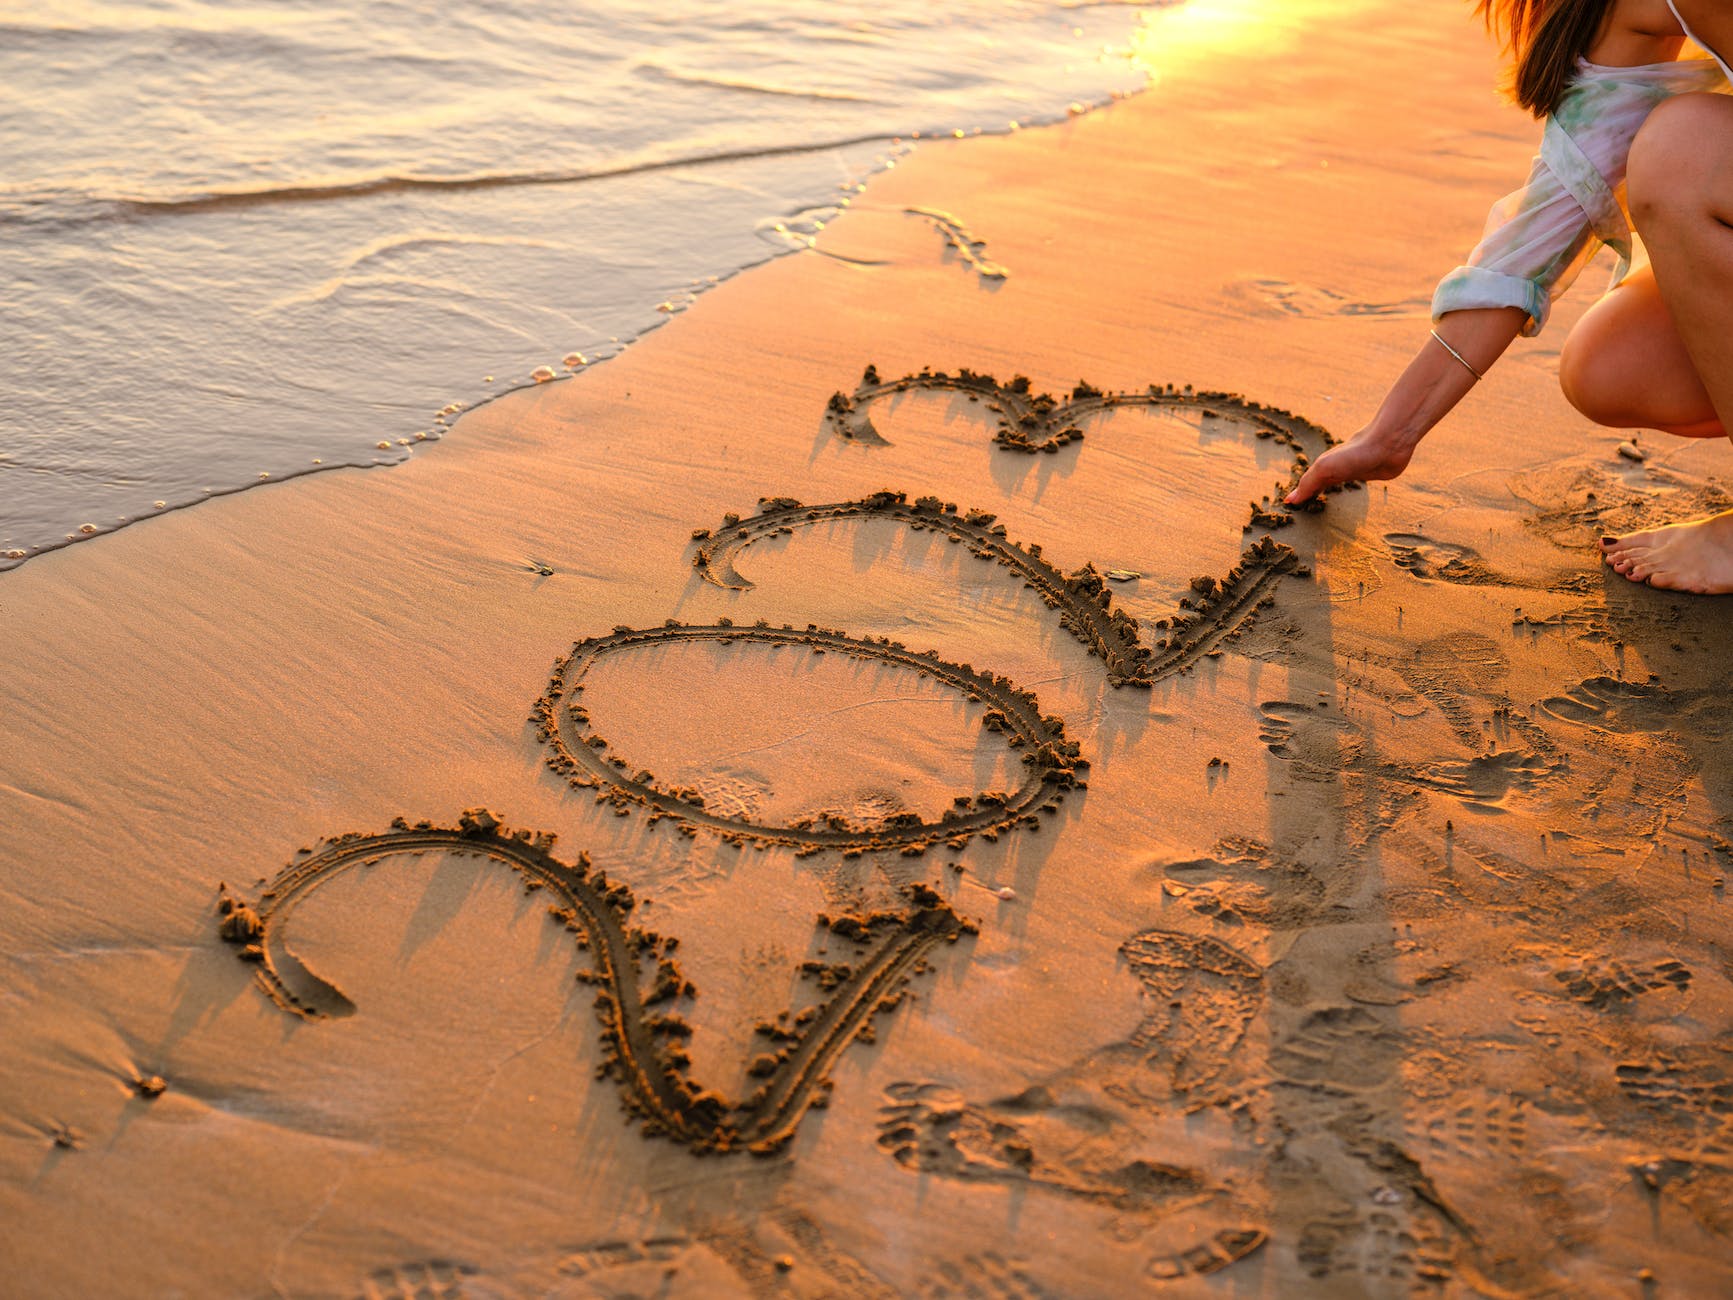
(1657, 351)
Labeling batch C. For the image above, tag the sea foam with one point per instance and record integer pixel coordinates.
(244, 243)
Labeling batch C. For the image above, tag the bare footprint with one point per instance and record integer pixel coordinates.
(1642, 708)
(1241, 882)
(1440, 561)
(1615, 705)
(931, 1128)
(1320, 744)
(1482, 781)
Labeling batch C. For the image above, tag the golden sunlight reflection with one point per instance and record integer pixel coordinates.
(1170, 39)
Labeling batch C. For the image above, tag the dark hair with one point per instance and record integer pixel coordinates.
(1546, 38)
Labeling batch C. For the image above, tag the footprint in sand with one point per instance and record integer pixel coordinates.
(1643, 708)
(930, 1128)
(1388, 1251)
(434, 1279)
(611, 1256)
(1345, 1047)
(1199, 998)
(1478, 1125)
(1609, 983)
(1691, 1087)
(1481, 782)
(988, 1276)
(1242, 882)
(1318, 743)
(1322, 745)
(1463, 676)
(1441, 561)
(1613, 704)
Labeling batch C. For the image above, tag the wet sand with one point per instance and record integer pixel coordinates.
(722, 825)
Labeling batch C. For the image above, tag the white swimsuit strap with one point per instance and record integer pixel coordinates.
(1693, 37)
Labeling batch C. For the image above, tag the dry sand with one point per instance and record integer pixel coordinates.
(1371, 940)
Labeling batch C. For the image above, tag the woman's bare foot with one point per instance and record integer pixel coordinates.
(1696, 556)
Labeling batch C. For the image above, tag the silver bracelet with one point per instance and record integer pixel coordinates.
(1453, 352)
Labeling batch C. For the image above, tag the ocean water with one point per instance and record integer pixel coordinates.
(248, 239)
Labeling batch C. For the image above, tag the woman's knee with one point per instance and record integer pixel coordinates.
(1677, 156)
(1585, 375)
(1603, 358)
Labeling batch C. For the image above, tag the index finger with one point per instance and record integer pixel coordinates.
(1313, 481)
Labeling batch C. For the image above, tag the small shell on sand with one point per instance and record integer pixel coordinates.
(541, 374)
(572, 360)
(15, 554)
(87, 528)
(1005, 893)
(383, 446)
(1630, 451)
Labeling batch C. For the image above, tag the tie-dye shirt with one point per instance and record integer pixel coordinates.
(1539, 239)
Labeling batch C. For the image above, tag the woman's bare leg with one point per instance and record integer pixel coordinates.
(1624, 365)
(1681, 189)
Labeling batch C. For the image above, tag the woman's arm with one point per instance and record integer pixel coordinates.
(1536, 242)
(1432, 385)
(1711, 21)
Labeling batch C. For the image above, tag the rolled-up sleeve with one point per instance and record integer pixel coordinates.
(1538, 239)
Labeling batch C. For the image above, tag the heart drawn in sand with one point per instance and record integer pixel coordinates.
(633, 968)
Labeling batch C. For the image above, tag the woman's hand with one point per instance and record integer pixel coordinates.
(1436, 380)
(1368, 455)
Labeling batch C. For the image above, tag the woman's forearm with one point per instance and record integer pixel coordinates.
(1435, 381)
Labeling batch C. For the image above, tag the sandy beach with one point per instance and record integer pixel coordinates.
(865, 794)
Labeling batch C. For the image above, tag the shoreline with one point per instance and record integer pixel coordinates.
(1373, 951)
(420, 254)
